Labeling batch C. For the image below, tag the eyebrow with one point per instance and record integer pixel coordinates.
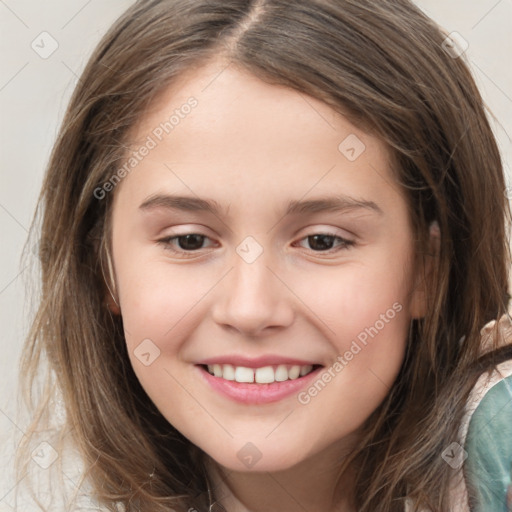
(331, 203)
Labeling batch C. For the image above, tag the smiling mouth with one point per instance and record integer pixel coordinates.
(263, 375)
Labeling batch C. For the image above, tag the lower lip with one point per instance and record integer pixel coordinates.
(252, 393)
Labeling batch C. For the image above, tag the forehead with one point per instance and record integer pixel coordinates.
(255, 136)
(231, 103)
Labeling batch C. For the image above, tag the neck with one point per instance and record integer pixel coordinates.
(320, 483)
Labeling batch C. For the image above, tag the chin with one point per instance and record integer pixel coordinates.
(251, 458)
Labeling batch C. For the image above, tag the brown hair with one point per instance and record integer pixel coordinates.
(382, 64)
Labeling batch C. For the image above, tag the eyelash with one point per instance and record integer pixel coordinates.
(167, 243)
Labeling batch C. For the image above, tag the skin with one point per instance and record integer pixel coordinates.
(253, 147)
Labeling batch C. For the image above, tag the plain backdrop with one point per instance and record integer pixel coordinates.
(34, 90)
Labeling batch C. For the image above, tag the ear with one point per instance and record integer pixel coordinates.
(418, 305)
(112, 304)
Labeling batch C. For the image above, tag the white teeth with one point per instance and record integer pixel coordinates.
(263, 375)
(228, 372)
(305, 369)
(243, 374)
(294, 372)
(281, 373)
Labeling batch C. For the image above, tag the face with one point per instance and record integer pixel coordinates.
(263, 235)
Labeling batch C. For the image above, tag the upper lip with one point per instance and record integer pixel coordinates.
(256, 362)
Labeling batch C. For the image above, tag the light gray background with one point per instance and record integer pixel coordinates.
(33, 96)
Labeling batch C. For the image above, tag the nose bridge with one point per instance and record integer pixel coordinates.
(252, 298)
(252, 280)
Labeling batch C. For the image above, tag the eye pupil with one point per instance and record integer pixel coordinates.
(322, 245)
(192, 242)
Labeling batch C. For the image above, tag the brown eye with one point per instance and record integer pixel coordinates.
(324, 242)
(184, 244)
(190, 242)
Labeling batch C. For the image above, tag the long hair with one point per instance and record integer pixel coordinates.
(382, 64)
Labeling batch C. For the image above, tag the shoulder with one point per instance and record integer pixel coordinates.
(487, 435)
(489, 446)
(482, 466)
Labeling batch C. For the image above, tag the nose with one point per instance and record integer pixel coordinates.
(253, 298)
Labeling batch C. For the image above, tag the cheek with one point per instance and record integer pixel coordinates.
(352, 300)
(156, 297)
(365, 311)
(368, 327)
(159, 304)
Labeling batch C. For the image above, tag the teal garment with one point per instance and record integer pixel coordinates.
(489, 450)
